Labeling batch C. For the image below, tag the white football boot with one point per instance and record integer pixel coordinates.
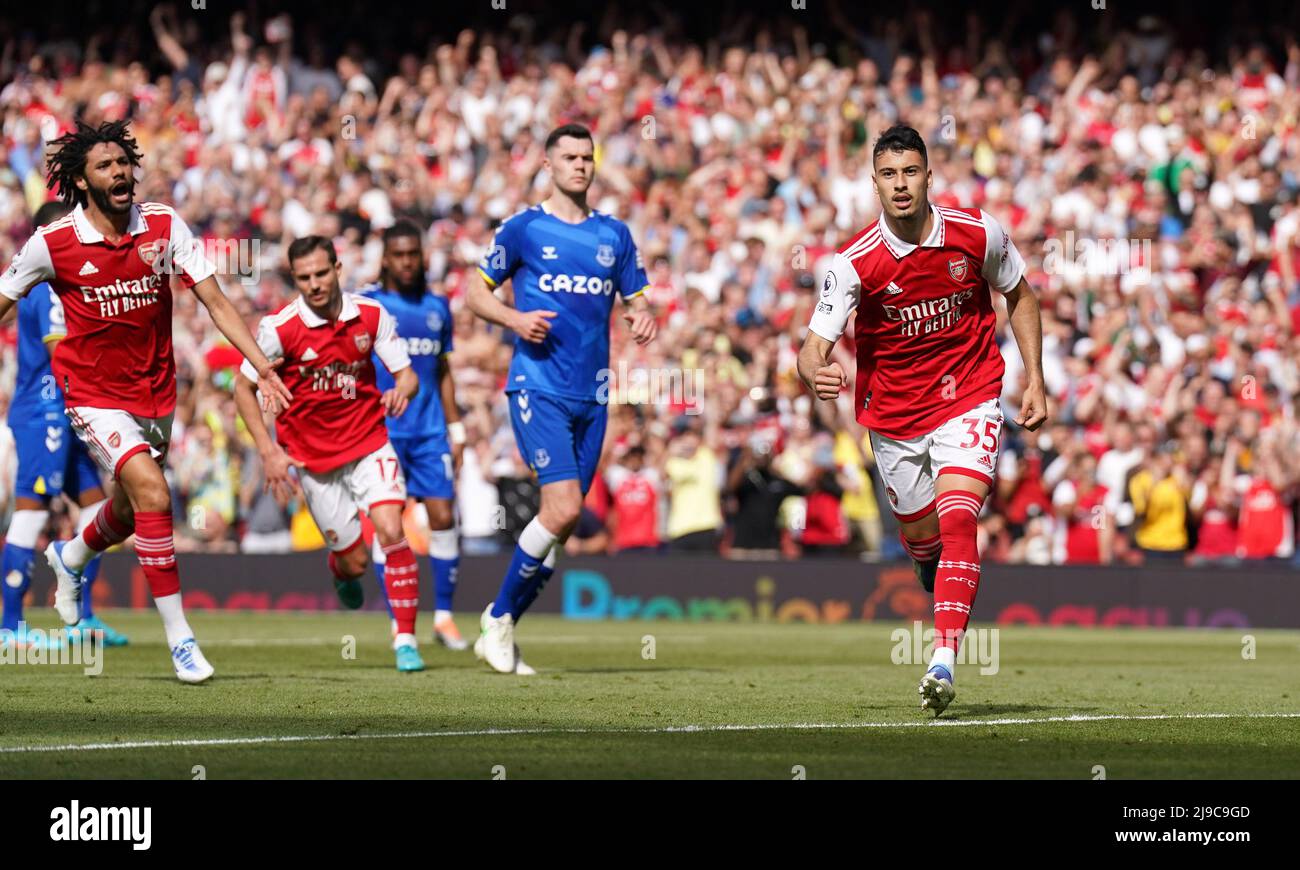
(191, 666)
(521, 667)
(936, 690)
(496, 642)
(67, 592)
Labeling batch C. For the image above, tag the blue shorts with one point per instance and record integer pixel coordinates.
(51, 460)
(428, 466)
(559, 438)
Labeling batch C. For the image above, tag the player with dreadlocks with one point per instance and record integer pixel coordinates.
(111, 262)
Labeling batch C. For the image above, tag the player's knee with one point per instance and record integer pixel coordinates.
(388, 529)
(439, 514)
(151, 496)
(354, 562)
(561, 514)
(921, 529)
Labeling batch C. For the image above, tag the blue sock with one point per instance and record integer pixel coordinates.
(383, 587)
(15, 559)
(444, 554)
(444, 576)
(534, 543)
(88, 575)
(530, 592)
(523, 568)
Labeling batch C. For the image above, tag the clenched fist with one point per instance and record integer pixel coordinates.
(829, 380)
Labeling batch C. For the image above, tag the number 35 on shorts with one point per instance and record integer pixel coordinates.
(972, 440)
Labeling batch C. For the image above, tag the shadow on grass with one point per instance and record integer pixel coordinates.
(979, 711)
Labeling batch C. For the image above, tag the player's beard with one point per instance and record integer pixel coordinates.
(415, 288)
(103, 199)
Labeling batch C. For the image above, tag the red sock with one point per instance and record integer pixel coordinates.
(157, 552)
(959, 567)
(106, 529)
(925, 550)
(402, 577)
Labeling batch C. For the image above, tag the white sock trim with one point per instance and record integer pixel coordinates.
(88, 514)
(173, 617)
(26, 527)
(536, 540)
(552, 557)
(444, 544)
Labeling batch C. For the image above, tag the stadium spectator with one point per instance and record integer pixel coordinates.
(1152, 190)
(634, 491)
(694, 478)
(759, 494)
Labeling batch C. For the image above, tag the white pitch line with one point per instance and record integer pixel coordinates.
(672, 729)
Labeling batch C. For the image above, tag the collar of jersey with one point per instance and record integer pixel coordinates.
(900, 248)
(591, 212)
(311, 320)
(87, 234)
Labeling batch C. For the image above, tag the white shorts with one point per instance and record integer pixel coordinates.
(967, 444)
(336, 498)
(112, 437)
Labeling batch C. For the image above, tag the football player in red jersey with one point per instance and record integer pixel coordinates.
(111, 262)
(929, 372)
(334, 433)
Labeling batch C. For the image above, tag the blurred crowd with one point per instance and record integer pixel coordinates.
(741, 163)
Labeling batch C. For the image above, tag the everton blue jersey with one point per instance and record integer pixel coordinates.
(37, 396)
(425, 324)
(573, 270)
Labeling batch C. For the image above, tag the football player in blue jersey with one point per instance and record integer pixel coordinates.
(51, 460)
(565, 262)
(429, 438)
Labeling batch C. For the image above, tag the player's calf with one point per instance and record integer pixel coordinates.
(69, 558)
(561, 507)
(155, 547)
(925, 556)
(956, 581)
(19, 553)
(401, 575)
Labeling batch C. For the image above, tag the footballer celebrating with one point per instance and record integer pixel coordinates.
(110, 261)
(929, 372)
(51, 460)
(333, 434)
(429, 438)
(566, 262)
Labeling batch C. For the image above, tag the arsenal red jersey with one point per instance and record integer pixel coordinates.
(925, 327)
(636, 504)
(335, 416)
(1263, 523)
(117, 299)
(1082, 538)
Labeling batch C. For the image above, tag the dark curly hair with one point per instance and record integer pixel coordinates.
(899, 138)
(68, 162)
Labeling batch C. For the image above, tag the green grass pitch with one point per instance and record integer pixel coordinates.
(715, 700)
